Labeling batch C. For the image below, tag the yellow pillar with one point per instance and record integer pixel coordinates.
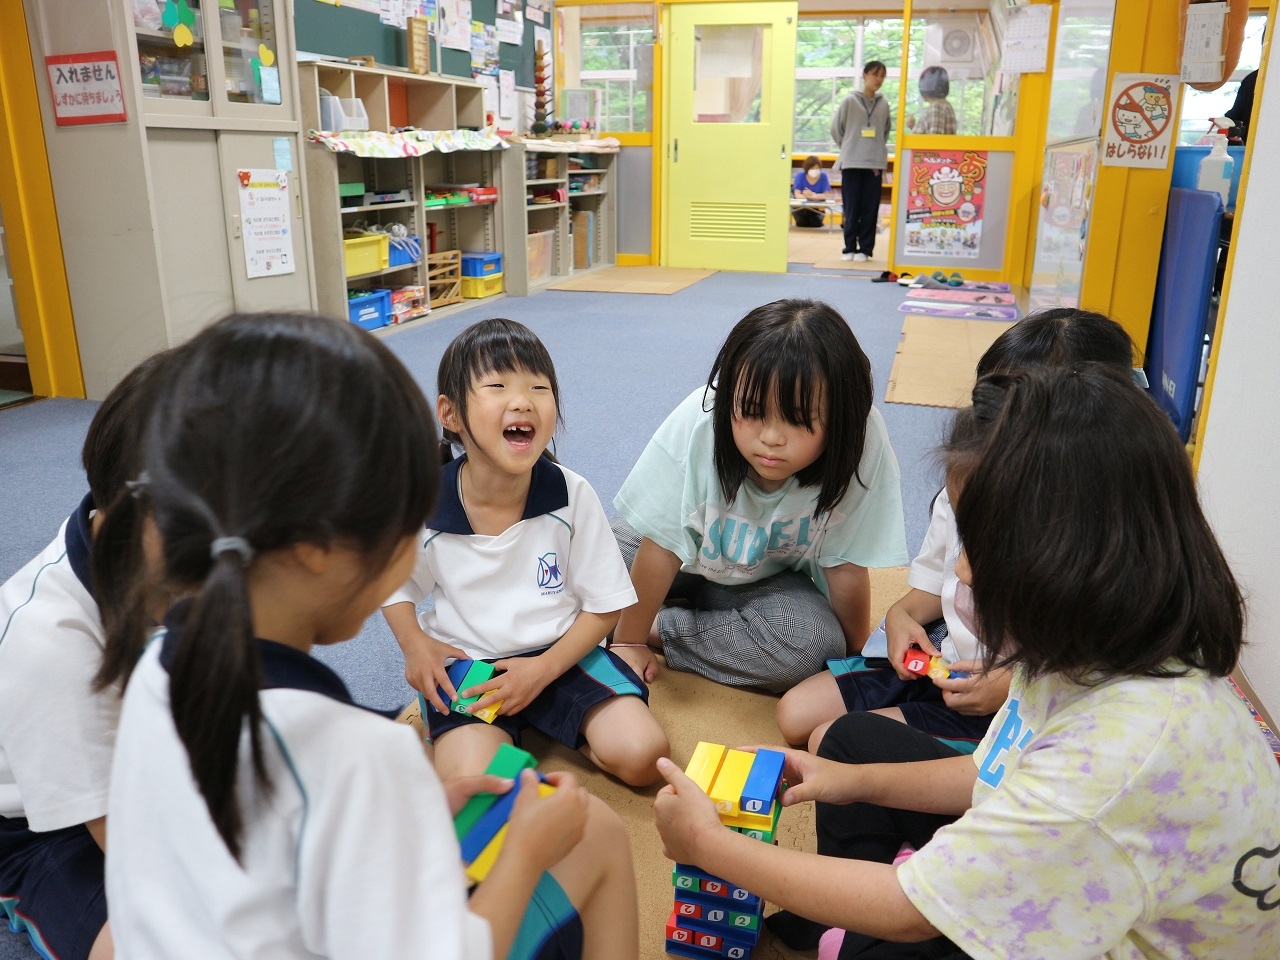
(31, 220)
(1129, 203)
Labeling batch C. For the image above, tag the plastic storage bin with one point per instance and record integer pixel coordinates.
(365, 253)
(476, 288)
(481, 264)
(541, 247)
(338, 114)
(404, 251)
(370, 310)
(1186, 168)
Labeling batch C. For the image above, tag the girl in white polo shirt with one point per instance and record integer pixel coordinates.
(523, 571)
(255, 810)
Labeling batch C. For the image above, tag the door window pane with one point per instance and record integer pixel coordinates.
(171, 54)
(249, 50)
(728, 73)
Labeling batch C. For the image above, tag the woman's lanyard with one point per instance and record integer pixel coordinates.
(870, 110)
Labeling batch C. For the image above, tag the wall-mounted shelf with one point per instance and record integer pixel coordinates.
(399, 205)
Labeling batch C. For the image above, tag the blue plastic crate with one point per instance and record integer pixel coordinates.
(1186, 168)
(481, 264)
(370, 311)
(404, 251)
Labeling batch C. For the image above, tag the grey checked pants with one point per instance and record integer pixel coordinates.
(767, 635)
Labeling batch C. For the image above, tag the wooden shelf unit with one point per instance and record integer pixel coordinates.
(394, 99)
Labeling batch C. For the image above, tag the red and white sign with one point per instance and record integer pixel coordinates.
(1138, 129)
(86, 88)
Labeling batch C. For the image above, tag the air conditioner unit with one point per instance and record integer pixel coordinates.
(952, 42)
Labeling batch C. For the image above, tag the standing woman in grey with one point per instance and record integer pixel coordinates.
(861, 128)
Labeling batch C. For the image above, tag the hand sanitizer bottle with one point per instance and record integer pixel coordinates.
(1216, 169)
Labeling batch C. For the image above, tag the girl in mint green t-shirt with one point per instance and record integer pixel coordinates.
(760, 503)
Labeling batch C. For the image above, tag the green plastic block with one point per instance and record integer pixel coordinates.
(479, 673)
(765, 835)
(506, 763)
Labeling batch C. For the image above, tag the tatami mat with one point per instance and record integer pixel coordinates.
(936, 359)
(692, 709)
(662, 280)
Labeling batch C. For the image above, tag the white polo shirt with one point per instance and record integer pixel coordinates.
(352, 855)
(56, 733)
(521, 590)
(934, 571)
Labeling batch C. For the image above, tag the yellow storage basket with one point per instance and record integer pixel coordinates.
(365, 253)
(474, 288)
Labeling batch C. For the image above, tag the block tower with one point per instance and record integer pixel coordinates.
(711, 917)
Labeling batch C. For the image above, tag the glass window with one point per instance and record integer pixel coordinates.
(1199, 105)
(1079, 78)
(728, 73)
(609, 47)
(171, 57)
(249, 45)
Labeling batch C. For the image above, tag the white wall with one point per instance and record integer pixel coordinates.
(1240, 463)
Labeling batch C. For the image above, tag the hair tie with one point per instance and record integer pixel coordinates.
(232, 545)
(138, 487)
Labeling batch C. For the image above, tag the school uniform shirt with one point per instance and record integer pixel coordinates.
(1135, 819)
(351, 855)
(56, 732)
(520, 591)
(673, 497)
(934, 571)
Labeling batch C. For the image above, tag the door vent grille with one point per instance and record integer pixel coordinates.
(727, 221)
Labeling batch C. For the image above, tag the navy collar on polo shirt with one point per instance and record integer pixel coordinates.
(79, 542)
(548, 492)
(283, 667)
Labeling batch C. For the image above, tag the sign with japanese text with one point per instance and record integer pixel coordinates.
(944, 203)
(1138, 128)
(265, 222)
(86, 88)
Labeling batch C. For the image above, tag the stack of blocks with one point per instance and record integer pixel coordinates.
(481, 825)
(713, 918)
(465, 674)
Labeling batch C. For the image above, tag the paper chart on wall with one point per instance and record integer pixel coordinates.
(455, 24)
(536, 10)
(265, 222)
(511, 30)
(506, 94)
(1026, 39)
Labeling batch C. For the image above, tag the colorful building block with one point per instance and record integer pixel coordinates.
(506, 763)
(487, 827)
(712, 944)
(705, 764)
(753, 821)
(761, 788)
(479, 672)
(705, 887)
(733, 952)
(726, 791)
(479, 868)
(939, 669)
(760, 833)
(915, 661)
(714, 918)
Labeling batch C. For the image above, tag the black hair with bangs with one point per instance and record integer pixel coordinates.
(1089, 552)
(491, 346)
(794, 353)
(1058, 336)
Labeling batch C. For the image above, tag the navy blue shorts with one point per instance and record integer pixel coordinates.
(52, 888)
(560, 709)
(867, 685)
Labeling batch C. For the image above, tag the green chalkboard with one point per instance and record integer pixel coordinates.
(344, 32)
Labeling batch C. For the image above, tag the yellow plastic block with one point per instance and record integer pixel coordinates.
(726, 791)
(489, 712)
(753, 821)
(482, 864)
(939, 669)
(705, 764)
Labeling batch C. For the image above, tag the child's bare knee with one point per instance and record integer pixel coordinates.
(793, 720)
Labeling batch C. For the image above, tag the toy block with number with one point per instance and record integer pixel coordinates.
(715, 918)
(726, 791)
(479, 868)
(704, 766)
(761, 788)
(711, 944)
(762, 833)
(701, 885)
(939, 669)
(915, 661)
(732, 952)
(479, 672)
(506, 763)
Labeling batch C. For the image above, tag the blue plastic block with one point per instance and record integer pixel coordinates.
(490, 822)
(761, 788)
(456, 671)
(717, 918)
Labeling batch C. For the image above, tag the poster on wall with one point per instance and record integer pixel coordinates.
(1138, 126)
(944, 203)
(455, 24)
(85, 88)
(264, 222)
(536, 10)
(484, 50)
(511, 27)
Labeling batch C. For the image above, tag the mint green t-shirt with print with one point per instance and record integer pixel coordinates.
(673, 497)
(1136, 819)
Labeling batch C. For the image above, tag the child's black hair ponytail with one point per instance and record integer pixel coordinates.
(269, 431)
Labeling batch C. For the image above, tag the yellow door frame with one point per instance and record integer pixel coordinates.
(31, 220)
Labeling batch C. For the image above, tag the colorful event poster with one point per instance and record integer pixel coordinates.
(484, 50)
(944, 203)
(1139, 124)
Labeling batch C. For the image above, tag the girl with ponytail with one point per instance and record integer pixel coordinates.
(255, 808)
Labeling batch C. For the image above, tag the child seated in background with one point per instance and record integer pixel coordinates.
(255, 810)
(57, 729)
(523, 571)
(936, 615)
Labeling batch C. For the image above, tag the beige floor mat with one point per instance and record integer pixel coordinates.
(692, 709)
(936, 359)
(661, 280)
(821, 249)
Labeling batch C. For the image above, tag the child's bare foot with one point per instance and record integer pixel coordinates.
(639, 658)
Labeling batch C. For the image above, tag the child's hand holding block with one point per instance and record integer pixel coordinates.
(939, 669)
(465, 674)
(481, 825)
(915, 661)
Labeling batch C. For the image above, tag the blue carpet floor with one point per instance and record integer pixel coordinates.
(624, 361)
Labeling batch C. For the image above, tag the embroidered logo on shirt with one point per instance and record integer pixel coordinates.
(549, 571)
(1265, 872)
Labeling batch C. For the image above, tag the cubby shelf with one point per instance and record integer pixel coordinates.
(399, 205)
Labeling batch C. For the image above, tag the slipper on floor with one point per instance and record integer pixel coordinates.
(905, 279)
(885, 277)
(955, 280)
(939, 276)
(927, 283)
